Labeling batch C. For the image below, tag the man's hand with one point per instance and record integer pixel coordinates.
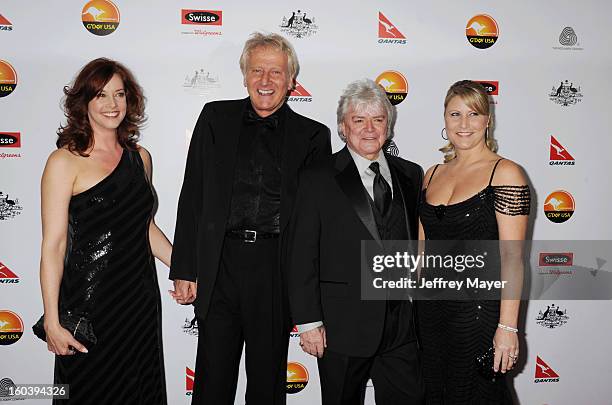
(314, 341)
(184, 291)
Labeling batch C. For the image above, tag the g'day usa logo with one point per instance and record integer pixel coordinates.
(482, 31)
(8, 78)
(559, 156)
(559, 206)
(299, 24)
(387, 32)
(5, 24)
(553, 316)
(202, 22)
(300, 94)
(7, 276)
(100, 17)
(11, 327)
(565, 94)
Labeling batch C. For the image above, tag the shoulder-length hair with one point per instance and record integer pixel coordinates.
(77, 134)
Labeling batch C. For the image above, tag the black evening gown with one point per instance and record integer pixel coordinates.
(109, 275)
(453, 333)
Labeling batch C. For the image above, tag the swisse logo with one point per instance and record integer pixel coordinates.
(556, 259)
(202, 17)
(10, 140)
(297, 377)
(491, 87)
(5, 24)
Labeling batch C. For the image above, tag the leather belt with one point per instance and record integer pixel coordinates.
(249, 236)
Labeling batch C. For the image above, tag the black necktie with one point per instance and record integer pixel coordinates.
(251, 117)
(382, 190)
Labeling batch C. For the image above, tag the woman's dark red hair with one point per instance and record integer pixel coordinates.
(77, 134)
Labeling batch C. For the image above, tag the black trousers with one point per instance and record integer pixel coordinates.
(241, 312)
(394, 369)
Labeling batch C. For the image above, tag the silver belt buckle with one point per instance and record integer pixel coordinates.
(249, 239)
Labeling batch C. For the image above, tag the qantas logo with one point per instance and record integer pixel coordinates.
(544, 373)
(300, 94)
(7, 276)
(387, 32)
(558, 154)
(189, 376)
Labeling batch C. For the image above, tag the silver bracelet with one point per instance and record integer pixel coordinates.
(506, 327)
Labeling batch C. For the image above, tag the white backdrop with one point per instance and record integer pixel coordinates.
(46, 43)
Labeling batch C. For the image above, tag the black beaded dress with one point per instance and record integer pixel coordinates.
(109, 276)
(453, 333)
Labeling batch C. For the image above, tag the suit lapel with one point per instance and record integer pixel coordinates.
(227, 133)
(407, 191)
(294, 148)
(350, 183)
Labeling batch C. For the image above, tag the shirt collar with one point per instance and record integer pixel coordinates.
(363, 164)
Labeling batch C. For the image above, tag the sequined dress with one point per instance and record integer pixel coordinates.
(109, 274)
(453, 333)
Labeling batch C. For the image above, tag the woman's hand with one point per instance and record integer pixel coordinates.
(61, 342)
(506, 346)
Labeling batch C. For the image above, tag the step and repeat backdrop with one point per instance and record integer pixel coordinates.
(546, 65)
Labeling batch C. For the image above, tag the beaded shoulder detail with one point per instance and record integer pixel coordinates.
(512, 200)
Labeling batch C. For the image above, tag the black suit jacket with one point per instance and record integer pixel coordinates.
(205, 198)
(331, 218)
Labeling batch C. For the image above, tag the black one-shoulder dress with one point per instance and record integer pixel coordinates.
(109, 276)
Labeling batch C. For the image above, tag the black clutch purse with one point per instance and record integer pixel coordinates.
(79, 326)
(484, 364)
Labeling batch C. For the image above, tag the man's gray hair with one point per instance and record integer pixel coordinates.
(275, 41)
(365, 91)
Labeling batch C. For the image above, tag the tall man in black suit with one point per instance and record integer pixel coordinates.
(234, 209)
(360, 193)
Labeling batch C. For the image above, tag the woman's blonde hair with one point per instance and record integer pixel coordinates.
(475, 97)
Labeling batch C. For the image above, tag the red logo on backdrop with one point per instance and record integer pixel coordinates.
(386, 29)
(544, 373)
(7, 276)
(189, 376)
(10, 140)
(300, 94)
(558, 154)
(300, 91)
(556, 259)
(5, 24)
(202, 17)
(491, 86)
